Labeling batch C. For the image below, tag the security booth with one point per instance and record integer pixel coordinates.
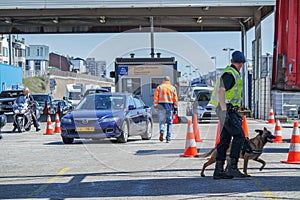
(141, 76)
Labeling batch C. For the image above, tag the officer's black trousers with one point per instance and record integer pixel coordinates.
(231, 127)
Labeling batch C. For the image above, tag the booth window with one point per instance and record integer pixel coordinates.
(131, 85)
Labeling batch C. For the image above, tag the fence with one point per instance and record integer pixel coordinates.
(286, 103)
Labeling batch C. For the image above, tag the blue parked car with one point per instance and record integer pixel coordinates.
(108, 115)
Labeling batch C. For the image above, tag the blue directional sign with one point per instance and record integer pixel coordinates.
(123, 70)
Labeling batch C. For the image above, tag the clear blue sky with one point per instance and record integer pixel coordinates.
(81, 45)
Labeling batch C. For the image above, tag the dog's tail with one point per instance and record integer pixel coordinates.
(204, 155)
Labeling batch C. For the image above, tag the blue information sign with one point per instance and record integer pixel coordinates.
(123, 70)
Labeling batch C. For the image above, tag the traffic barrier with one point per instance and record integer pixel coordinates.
(175, 119)
(218, 134)
(196, 129)
(294, 151)
(245, 127)
(190, 143)
(57, 124)
(277, 132)
(271, 119)
(49, 129)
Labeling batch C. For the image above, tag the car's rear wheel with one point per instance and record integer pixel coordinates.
(148, 134)
(67, 140)
(125, 133)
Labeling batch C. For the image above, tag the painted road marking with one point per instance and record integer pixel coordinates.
(265, 190)
(43, 187)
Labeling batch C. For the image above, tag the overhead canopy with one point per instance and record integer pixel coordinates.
(113, 16)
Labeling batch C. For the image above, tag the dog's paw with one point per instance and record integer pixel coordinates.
(248, 175)
(202, 175)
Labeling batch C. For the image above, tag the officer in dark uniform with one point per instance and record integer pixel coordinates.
(227, 96)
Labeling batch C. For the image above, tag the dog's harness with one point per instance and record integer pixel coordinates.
(257, 153)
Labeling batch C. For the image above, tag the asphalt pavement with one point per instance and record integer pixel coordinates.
(39, 166)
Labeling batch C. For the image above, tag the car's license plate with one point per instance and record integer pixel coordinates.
(85, 129)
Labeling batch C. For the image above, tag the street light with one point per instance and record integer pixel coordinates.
(228, 50)
(190, 74)
(215, 61)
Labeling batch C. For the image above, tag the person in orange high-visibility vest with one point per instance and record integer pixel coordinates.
(166, 104)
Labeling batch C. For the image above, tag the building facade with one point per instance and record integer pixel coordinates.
(59, 62)
(12, 51)
(37, 60)
(96, 68)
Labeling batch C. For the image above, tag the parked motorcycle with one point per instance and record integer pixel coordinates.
(23, 117)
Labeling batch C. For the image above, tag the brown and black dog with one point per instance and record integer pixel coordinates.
(257, 144)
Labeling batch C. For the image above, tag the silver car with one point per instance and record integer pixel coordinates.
(202, 108)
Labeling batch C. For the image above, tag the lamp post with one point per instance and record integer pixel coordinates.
(215, 61)
(190, 74)
(228, 50)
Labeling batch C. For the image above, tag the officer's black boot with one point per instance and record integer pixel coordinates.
(234, 170)
(219, 172)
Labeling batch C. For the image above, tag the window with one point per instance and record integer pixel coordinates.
(37, 65)
(131, 102)
(154, 83)
(27, 51)
(138, 103)
(38, 52)
(131, 85)
(5, 51)
(27, 67)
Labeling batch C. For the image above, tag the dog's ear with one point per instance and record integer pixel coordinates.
(265, 129)
(259, 131)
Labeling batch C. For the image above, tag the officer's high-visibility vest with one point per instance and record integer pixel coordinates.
(166, 93)
(234, 95)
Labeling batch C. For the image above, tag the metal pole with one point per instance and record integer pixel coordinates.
(228, 50)
(152, 37)
(10, 51)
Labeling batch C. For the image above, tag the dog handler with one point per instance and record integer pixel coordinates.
(227, 96)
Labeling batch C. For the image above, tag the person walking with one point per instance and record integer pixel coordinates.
(166, 104)
(27, 98)
(227, 96)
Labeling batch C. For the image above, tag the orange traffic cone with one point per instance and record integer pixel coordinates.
(271, 119)
(196, 129)
(175, 119)
(218, 134)
(49, 130)
(277, 132)
(245, 127)
(57, 124)
(294, 151)
(190, 144)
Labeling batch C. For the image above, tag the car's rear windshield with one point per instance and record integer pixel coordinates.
(93, 91)
(10, 94)
(40, 98)
(102, 102)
